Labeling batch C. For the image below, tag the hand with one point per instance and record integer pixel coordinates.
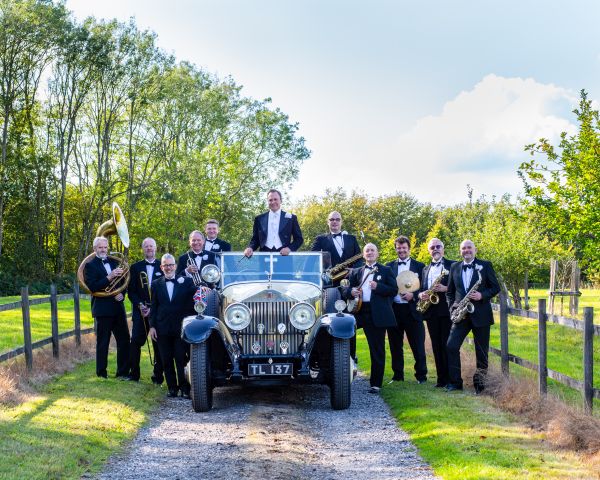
(475, 296)
(356, 292)
(440, 288)
(144, 310)
(119, 297)
(408, 296)
(205, 289)
(192, 269)
(153, 334)
(248, 252)
(285, 251)
(424, 296)
(117, 272)
(373, 284)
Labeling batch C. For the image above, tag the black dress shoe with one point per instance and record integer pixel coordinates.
(440, 385)
(173, 392)
(185, 394)
(156, 380)
(374, 390)
(479, 389)
(422, 381)
(452, 388)
(102, 375)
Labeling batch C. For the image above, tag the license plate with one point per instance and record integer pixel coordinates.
(260, 369)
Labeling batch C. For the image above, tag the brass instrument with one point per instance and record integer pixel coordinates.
(407, 281)
(196, 277)
(434, 299)
(145, 282)
(459, 310)
(355, 304)
(118, 225)
(341, 270)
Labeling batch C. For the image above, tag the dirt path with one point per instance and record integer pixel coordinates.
(275, 433)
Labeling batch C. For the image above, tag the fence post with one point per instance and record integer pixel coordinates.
(54, 320)
(542, 348)
(526, 291)
(504, 333)
(588, 358)
(26, 328)
(77, 313)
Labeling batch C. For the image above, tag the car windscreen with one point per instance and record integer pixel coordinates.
(302, 267)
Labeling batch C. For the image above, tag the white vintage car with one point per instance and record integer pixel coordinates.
(269, 321)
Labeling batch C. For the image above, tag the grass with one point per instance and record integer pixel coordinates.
(465, 437)
(75, 423)
(589, 298)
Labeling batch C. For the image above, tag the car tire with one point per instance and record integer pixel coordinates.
(341, 376)
(330, 296)
(212, 304)
(200, 377)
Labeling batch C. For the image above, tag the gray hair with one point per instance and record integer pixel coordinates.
(167, 256)
(98, 239)
(148, 239)
(435, 238)
(194, 233)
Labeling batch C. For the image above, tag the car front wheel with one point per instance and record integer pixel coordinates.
(340, 374)
(200, 377)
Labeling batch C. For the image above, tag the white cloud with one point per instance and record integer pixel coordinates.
(479, 136)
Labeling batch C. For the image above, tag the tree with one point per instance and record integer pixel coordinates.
(562, 186)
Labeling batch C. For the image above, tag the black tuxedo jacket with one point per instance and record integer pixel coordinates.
(219, 246)
(138, 293)
(96, 279)
(381, 297)
(289, 231)
(417, 267)
(324, 243)
(208, 258)
(489, 288)
(441, 308)
(166, 315)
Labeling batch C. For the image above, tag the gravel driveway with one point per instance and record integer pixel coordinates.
(275, 433)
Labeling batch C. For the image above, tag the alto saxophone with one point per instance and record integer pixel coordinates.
(433, 297)
(459, 310)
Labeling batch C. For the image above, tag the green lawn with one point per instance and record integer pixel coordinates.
(589, 298)
(465, 437)
(74, 425)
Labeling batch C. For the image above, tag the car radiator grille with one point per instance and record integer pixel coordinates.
(270, 314)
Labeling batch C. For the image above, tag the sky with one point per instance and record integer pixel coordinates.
(423, 98)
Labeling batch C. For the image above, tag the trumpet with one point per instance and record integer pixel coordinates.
(433, 297)
(196, 277)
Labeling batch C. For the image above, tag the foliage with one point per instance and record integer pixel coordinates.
(563, 188)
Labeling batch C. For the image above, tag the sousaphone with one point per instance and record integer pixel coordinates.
(118, 225)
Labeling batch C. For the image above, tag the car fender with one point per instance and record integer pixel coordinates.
(198, 329)
(339, 325)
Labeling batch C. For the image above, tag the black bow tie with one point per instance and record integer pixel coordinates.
(149, 263)
(336, 235)
(436, 264)
(170, 280)
(402, 263)
(370, 268)
(105, 260)
(465, 266)
(195, 255)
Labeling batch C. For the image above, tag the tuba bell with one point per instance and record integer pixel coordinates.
(118, 225)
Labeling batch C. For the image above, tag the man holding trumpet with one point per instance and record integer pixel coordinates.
(191, 263)
(143, 273)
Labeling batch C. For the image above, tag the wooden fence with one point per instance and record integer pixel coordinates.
(588, 329)
(55, 338)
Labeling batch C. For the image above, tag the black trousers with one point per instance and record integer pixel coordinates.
(439, 330)
(481, 335)
(139, 334)
(173, 353)
(117, 326)
(415, 333)
(376, 340)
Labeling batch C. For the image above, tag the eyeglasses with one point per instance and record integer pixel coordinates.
(168, 265)
(436, 247)
(335, 219)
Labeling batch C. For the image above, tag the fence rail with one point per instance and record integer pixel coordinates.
(25, 303)
(586, 387)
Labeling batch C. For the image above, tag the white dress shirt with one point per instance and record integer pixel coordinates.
(402, 268)
(170, 288)
(467, 275)
(273, 240)
(366, 287)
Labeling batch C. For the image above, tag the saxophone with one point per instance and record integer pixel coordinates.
(340, 271)
(459, 310)
(434, 299)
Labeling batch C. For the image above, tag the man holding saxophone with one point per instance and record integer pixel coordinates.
(434, 308)
(471, 287)
(143, 273)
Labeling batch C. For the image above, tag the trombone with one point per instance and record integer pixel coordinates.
(145, 282)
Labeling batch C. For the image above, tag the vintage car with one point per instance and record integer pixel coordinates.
(269, 321)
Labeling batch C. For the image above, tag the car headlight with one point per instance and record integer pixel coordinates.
(211, 274)
(303, 316)
(237, 316)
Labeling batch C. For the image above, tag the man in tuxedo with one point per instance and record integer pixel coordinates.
(275, 230)
(376, 284)
(340, 245)
(407, 318)
(108, 312)
(213, 243)
(172, 300)
(143, 273)
(191, 263)
(437, 316)
(463, 275)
